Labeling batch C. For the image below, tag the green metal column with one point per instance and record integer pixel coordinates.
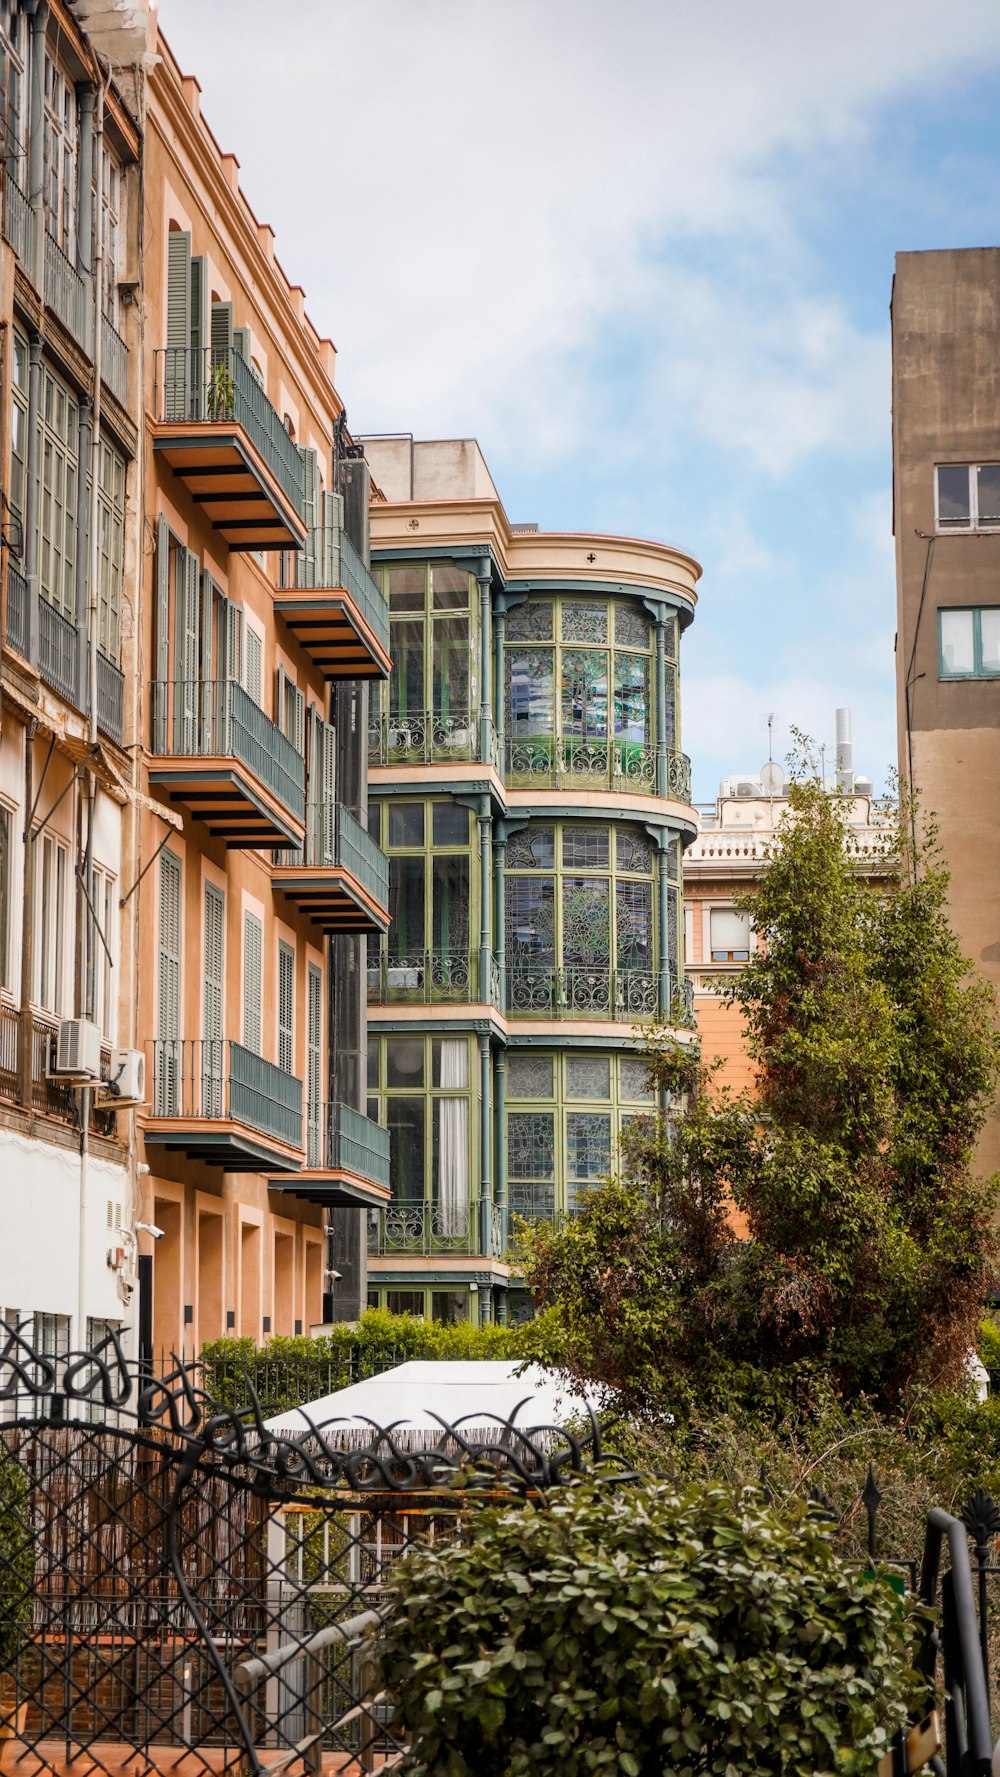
(486, 663)
(499, 697)
(665, 993)
(483, 816)
(662, 779)
(485, 1145)
(500, 1144)
(499, 921)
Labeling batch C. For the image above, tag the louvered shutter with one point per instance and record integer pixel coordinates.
(295, 716)
(333, 522)
(234, 642)
(314, 1066)
(222, 358)
(162, 693)
(328, 794)
(199, 336)
(208, 591)
(213, 1001)
(286, 1008)
(186, 650)
(168, 1071)
(309, 559)
(177, 358)
(253, 665)
(253, 980)
(241, 343)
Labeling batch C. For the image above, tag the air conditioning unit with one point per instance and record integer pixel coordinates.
(78, 1050)
(127, 1076)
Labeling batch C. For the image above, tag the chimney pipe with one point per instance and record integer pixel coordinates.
(845, 754)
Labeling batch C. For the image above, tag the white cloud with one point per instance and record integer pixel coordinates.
(725, 724)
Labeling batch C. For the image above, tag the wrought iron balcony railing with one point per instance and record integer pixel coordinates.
(430, 737)
(328, 558)
(114, 360)
(573, 763)
(216, 718)
(474, 1227)
(423, 977)
(213, 1078)
(581, 992)
(344, 1140)
(110, 697)
(58, 651)
(67, 294)
(18, 223)
(17, 610)
(219, 388)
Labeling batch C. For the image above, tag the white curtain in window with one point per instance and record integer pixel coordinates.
(453, 1143)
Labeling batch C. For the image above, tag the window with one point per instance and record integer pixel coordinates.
(969, 643)
(6, 831)
(19, 424)
(57, 507)
(113, 206)
(729, 935)
(168, 1014)
(60, 158)
(105, 897)
(419, 1090)
(110, 535)
(286, 1008)
(431, 611)
(51, 876)
(213, 1000)
(14, 48)
(253, 981)
(314, 1065)
(557, 1151)
(967, 496)
(427, 952)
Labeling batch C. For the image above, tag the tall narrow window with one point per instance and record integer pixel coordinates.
(57, 506)
(50, 890)
(61, 140)
(314, 1065)
(5, 905)
(213, 1000)
(253, 981)
(286, 1008)
(110, 537)
(168, 1016)
(101, 935)
(19, 423)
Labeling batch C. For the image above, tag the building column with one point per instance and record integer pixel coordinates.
(86, 201)
(485, 953)
(662, 771)
(500, 1142)
(31, 493)
(499, 690)
(486, 663)
(36, 143)
(665, 991)
(485, 1146)
(499, 918)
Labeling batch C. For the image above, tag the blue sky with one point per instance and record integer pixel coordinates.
(644, 253)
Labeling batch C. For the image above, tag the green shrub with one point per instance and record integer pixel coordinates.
(17, 1560)
(644, 1630)
(989, 1342)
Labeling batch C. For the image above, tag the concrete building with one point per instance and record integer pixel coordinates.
(946, 501)
(189, 629)
(527, 783)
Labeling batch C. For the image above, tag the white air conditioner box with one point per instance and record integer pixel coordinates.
(78, 1050)
(127, 1075)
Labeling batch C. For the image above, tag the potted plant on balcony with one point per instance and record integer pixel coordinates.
(17, 1565)
(221, 391)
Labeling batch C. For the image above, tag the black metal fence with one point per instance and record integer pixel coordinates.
(182, 1584)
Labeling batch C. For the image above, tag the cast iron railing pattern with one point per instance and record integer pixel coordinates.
(611, 764)
(191, 1586)
(110, 697)
(421, 977)
(58, 651)
(219, 388)
(474, 1227)
(216, 718)
(66, 293)
(583, 991)
(18, 223)
(215, 1078)
(339, 1137)
(428, 737)
(114, 360)
(17, 610)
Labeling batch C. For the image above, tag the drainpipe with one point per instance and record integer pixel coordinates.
(663, 907)
(662, 777)
(485, 1186)
(500, 1124)
(486, 663)
(86, 1092)
(83, 537)
(499, 700)
(36, 145)
(499, 922)
(95, 442)
(85, 181)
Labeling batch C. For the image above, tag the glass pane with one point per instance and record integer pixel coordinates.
(584, 621)
(450, 910)
(451, 665)
(530, 1144)
(633, 1080)
(534, 848)
(450, 1174)
(588, 1076)
(988, 477)
(375, 822)
(635, 851)
(406, 687)
(730, 935)
(404, 1062)
(957, 650)
(529, 692)
(529, 1076)
(588, 1145)
(451, 824)
(373, 1064)
(632, 698)
(449, 1062)
(449, 587)
(989, 622)
(634, 915)
(406, 823)
(585, 693)
(531, 920)
(406, 906)
(586, 921)
(404, 1302)
(953, 495)
(406, 588)
(585, 848)
(405, 1122)
(631, 627)
(530, 622)
(449, 1306)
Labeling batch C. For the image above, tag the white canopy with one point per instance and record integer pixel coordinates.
(416, 1398)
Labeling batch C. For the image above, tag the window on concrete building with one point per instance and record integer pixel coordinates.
(969, 643)
(967, 496)
(729, 933)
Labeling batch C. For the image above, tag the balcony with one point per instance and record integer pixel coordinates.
(347, 1160)
(67, 294)
(575, 764)
(581, 992)
(18, 223)
(110, 698)
(114, 361)
(474, 1229)
(220, 757)
(428, 978)
(335, 609)
(430, 737)
(58, 651)
(339, 877)
(216, 1101)
(218, 431)
(17, 610)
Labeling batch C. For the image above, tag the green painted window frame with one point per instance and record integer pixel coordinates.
(568, 1192)
(379, 1293)
(558, 646)
(379, 1094)
(391, 698)
(978, 669)
(559, 871)
(466, 955)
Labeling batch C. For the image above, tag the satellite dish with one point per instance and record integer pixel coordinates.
(772, 779)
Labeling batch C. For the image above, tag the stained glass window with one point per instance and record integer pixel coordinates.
(634, 924)
(586, 921)
(632, 698)
(633, 850)
(530, 1144)
(588, 1145)
(631, 627)
(584, 622)
(530, 622)
(633, 1080)
(529, 1075)
(531, 920)
(534, 848)
(588, 1076)
(585, 693)
(585, 848)
(530, 708)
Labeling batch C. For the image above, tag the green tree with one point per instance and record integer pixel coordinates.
(862, 1242)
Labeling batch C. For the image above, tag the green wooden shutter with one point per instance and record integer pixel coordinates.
(234, 642)
(321, 813)
(177, 358)
(168, 1016)
(208, 693)
(333, 524)
(295, 716)
(186, 650)
(309, 558)
(286, 1008)
(241, 343)
(253, 665)
(253, 981)
(222, 360)
(314, 1066)
(200, 337)
(213, 1002)
(161, 696)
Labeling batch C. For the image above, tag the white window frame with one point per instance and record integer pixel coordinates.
(105, 896)
(708, 958)
(62, 147)
(111, 549)
(972, 470)
(58, 471)
(51, 889)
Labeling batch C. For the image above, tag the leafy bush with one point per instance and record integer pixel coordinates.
(645, 1630)
(17, 1562)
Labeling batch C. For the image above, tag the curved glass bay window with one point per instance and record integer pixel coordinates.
(579, 677)
(419, 1088)
(582, 920)
(426, 954)
(429, 709)
(565, 1116)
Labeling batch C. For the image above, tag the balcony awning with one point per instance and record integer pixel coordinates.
(333, 898)
(333, 632)
(221, 1141)
(227, 797)
(332, 1188)
(228, 478)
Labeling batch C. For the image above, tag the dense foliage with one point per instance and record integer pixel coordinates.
(827, 1228)
(17, 1563)
(287, 1371)
(642, 1630)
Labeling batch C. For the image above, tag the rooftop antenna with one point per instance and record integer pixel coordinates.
(772, 777)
